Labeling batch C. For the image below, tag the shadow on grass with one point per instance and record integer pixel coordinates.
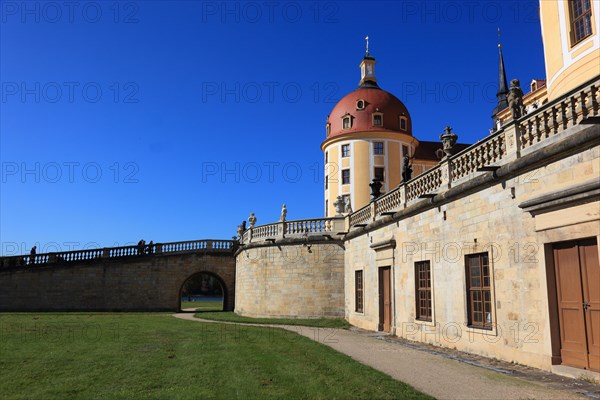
(229, 316)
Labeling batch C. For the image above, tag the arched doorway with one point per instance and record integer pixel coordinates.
(203, 291)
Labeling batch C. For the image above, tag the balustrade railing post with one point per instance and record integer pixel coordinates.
(446, 169)
(105, 253)
(402, 190)
(512, 141)
(158, 248)
(373, 209)
(281, 230)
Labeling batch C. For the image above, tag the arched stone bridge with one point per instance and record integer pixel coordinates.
(128, 278)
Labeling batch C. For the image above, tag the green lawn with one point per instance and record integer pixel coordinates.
(233, 317)
(203, 305)
(155, 356)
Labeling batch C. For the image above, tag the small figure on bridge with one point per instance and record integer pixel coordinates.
(32, 255)
(283, 213)
(151, 247)
(141, 247)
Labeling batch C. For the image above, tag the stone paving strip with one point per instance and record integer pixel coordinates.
(432, 372)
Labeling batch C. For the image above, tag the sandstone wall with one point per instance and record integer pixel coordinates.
(491, 220)
(290, 280)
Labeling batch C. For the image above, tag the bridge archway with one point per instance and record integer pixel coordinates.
(204, 288)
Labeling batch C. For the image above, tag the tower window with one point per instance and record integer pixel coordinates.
(326, 208)
(379, 174)
(328, 129)
(345, 176)
(326, 182)
(347, 124)
(326, 157)
(378, 148)
(360, 104)
(345, 150)
(581, 20)
(403, 123)
(405, 151)
(377, 119)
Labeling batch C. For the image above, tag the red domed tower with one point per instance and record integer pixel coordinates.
(369, 133)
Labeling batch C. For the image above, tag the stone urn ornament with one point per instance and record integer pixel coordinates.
(449, 139)
(252, 220)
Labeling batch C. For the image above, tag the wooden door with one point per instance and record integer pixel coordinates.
(385, 299)
(578, 291)
(590, 274)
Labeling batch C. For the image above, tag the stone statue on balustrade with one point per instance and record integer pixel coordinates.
(240, 230)
(406, 170)
(348, 207)
(515, 99)
(283, 213)
(340, 206)
(252, 220)
(375, 188)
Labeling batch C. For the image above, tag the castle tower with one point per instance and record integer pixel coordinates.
(368, 134)
(571, 43)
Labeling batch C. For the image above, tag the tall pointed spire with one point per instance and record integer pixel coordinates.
(502, 84)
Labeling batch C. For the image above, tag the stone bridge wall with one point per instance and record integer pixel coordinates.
(136, 283)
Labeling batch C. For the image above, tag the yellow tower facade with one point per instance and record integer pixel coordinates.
(571, 43)
(368, 136)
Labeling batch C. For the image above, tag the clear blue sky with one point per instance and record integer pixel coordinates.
(173, 120)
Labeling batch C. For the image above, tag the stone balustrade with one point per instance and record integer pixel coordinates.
(297, 229)
(502, 146)
(226, 246)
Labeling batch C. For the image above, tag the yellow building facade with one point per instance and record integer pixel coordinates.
(571, 43)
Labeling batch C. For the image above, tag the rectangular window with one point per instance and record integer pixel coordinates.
(403, 123)
(358, 291)
(479, 294)
(326, 157)
(379, 174)
(326, 208)
(423, 290)
(347, 123)
(345, 176)
(378, 148)
(581, 20)
(377, 120)
(326, 182)
(345, 150)
(405, 150)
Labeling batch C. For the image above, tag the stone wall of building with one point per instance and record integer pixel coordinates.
(137, 283)
(293, 278)
(483, 219)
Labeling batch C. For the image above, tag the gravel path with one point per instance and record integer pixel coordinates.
(437, 376)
